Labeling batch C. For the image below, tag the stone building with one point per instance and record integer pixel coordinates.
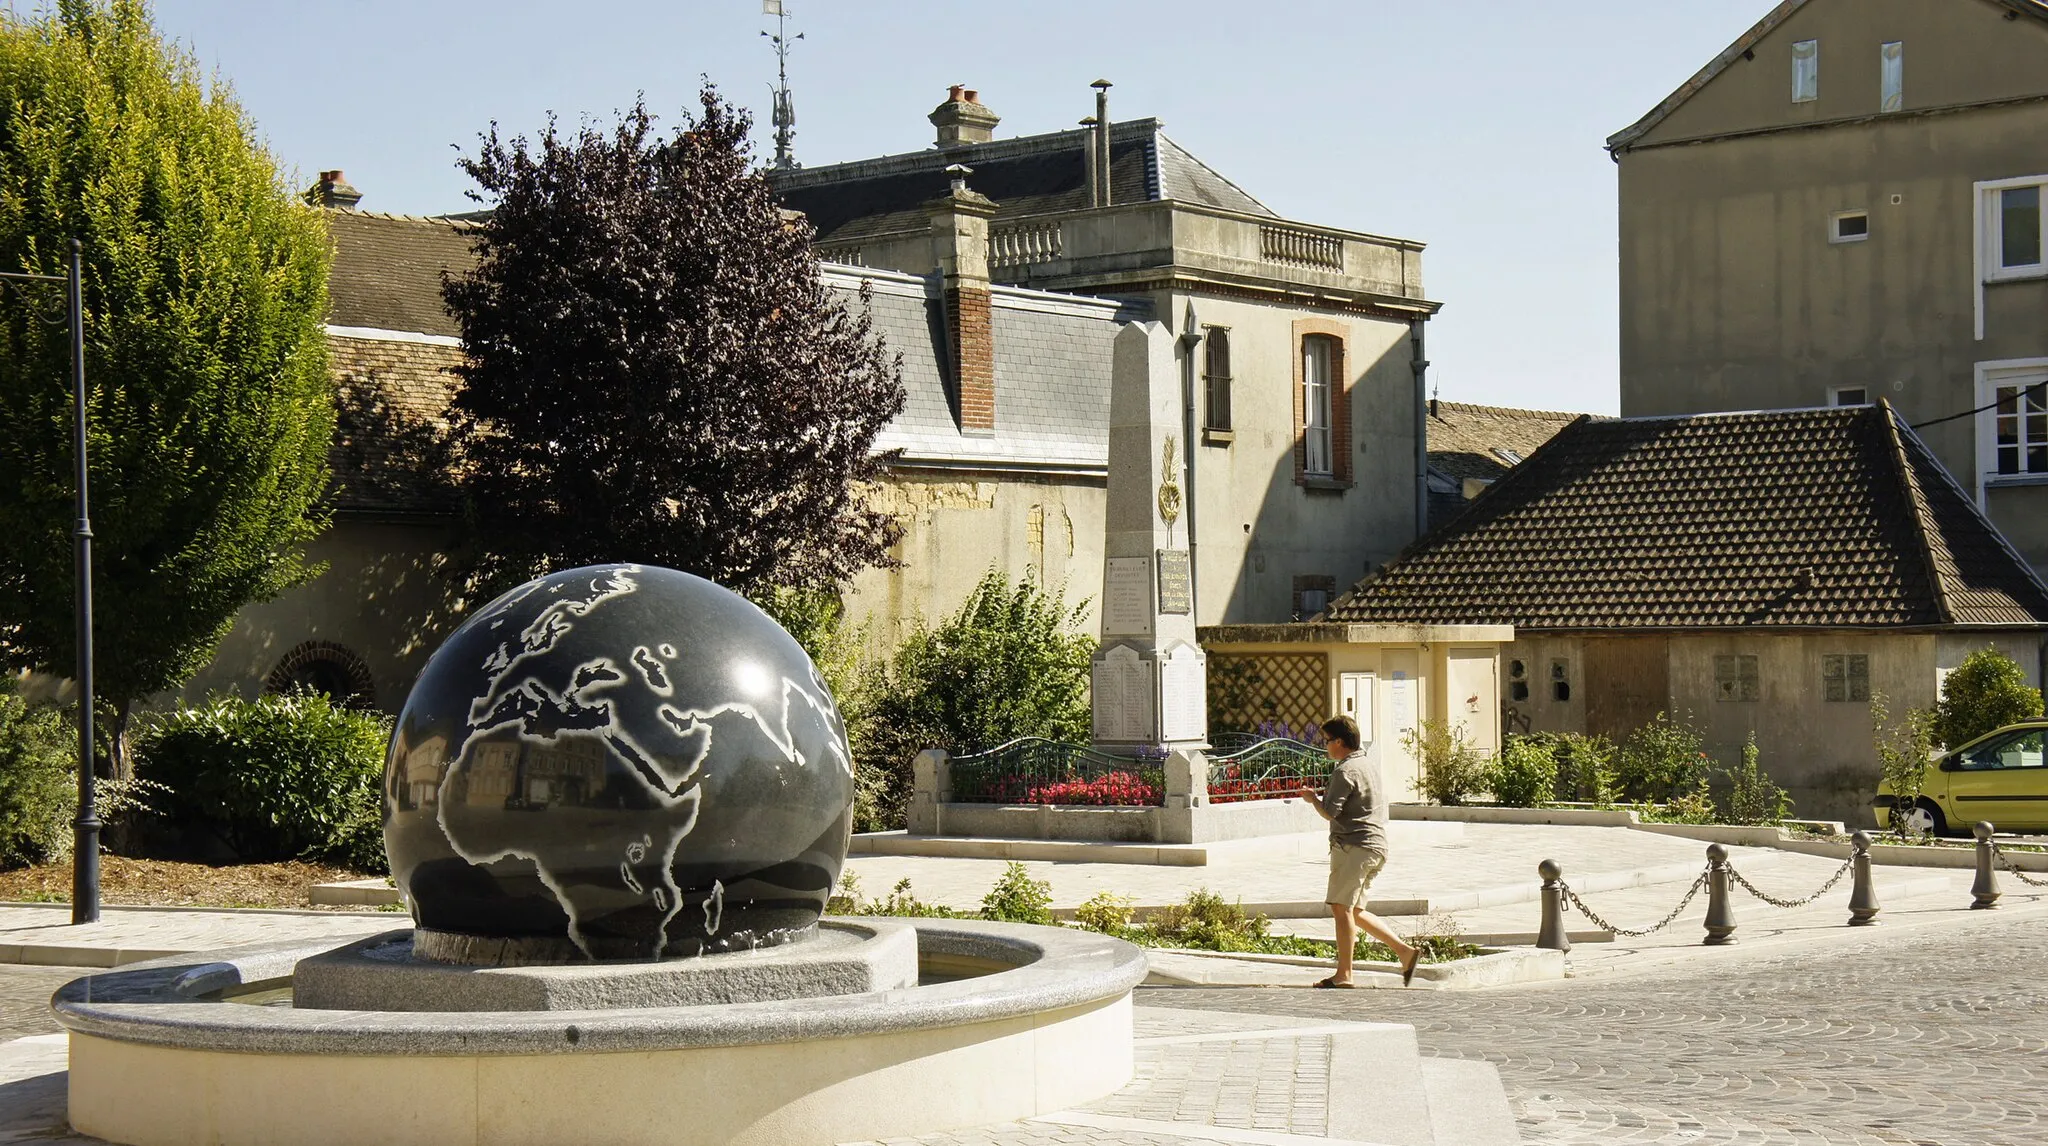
(1847, 204)
(1002, 287)
(1762, 573)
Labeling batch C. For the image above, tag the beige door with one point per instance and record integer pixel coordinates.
(1400, 707)
(1474, 706)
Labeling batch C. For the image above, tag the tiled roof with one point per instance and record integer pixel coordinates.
(391, 401)
(387, 270)
(1029, 175)
(1782, 519)
(1482, 442)
(1052, 360)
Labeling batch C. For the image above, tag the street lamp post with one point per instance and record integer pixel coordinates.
(85, 849)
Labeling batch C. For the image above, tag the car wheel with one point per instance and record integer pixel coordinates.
(1924, 818)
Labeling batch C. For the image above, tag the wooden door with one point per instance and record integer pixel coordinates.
(1627, 682)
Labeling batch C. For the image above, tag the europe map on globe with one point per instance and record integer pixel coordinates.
(628, 757)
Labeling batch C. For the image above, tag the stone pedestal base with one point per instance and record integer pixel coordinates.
(384, 973)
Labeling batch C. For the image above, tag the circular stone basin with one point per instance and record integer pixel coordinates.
(158, 1058)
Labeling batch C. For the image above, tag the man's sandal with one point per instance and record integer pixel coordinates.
(1332, 983)
(1408, 968)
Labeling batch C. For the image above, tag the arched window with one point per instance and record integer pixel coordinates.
(326, 668)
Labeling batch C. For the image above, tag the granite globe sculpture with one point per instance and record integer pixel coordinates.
(617, 762)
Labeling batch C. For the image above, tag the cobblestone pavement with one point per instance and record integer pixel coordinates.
(25, 999)
(1919, 1038)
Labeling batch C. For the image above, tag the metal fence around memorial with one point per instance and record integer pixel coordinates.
(1272, 769)
(1034, 770)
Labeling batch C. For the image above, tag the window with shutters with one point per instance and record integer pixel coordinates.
(1216, 377)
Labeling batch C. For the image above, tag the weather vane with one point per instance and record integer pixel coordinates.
(784, 116)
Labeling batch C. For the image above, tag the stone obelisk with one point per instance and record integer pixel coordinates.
(1149, 677)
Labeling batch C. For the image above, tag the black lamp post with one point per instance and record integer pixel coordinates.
(85, 849)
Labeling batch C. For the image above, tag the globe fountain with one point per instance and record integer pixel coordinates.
(617, 801)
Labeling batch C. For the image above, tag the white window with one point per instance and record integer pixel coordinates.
(1849, 396)
(2009, 233)
(1848, 226)
(2012, 434)
(1806, 71)
(1891, 67)
(1315, 403)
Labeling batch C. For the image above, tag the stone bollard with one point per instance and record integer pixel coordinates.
(1552, 936)
(1720, 906)
(931, 787)
(1984, 892)
(1863, 907)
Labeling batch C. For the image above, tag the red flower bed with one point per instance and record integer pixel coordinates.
(1111, 789)
(1232, 788)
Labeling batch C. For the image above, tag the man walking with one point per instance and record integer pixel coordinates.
(1355, 803)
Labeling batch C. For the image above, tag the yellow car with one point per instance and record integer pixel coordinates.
(2001, 776)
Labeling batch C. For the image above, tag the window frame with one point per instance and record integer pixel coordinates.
(1318, 405)
(1842, 669)
(1836, 394)
(1991, 229)
(1746, 677)
(1835, 235)
(1806, 80)
(1991, 377)
(1216, 385)
(1891, 77)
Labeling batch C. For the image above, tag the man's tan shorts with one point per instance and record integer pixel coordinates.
(1351, 872)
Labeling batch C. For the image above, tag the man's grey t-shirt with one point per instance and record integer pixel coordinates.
(1357, 803)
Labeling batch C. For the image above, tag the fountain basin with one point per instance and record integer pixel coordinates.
(159, 1057)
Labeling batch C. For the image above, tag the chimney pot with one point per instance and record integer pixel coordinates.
(333, 192)
(963, 118)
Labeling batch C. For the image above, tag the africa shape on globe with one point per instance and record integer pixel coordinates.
(629, 757)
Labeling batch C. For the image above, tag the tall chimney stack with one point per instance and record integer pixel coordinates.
(960, 248)
(333, 191)
(1101, 195)
(1088, 142)
(963, 118)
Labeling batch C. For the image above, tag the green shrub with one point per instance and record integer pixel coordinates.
(1010, 662)
(1106, 912)
(1752, 797)
(881, 771)
(1903, 750)
(1526, 773)
(1662, 759)
(1695, 805)
(1017, 898)
(1453, 771)
(277, 778)
(1585, 767)
(38, 781)
(900, 902)
(1988, 690)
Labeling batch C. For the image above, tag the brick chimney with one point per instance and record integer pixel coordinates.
(333, 191)
(963, 119)
(960, 248)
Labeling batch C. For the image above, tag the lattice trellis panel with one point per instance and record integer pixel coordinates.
(1249, 689)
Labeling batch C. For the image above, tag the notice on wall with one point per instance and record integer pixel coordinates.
(1176, 583)
(1183, 695)
(1121, 688)
(1127, 597)
(1401, 701)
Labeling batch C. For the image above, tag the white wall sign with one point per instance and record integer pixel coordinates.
(1127, 597)
(1121, 690)
(1183, 695)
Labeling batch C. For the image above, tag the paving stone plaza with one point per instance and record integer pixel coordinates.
(1926, 1029)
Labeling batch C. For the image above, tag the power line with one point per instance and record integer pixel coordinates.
(2038, 390)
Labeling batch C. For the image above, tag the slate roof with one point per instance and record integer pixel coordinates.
(1028, 175)
(1052, 360)
(1483, 442)
(387, 270)
(1788, 519)
(1621, 140)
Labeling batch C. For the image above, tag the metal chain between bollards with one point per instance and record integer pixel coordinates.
(2013, 869)
(1602, 924)
(1774, 901)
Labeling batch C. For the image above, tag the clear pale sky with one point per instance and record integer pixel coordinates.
(1474, 127)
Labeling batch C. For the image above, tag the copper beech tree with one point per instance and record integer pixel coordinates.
(656, 372)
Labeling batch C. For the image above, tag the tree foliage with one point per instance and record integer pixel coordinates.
(211, 410)
(1987, 691)
(656, 371)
